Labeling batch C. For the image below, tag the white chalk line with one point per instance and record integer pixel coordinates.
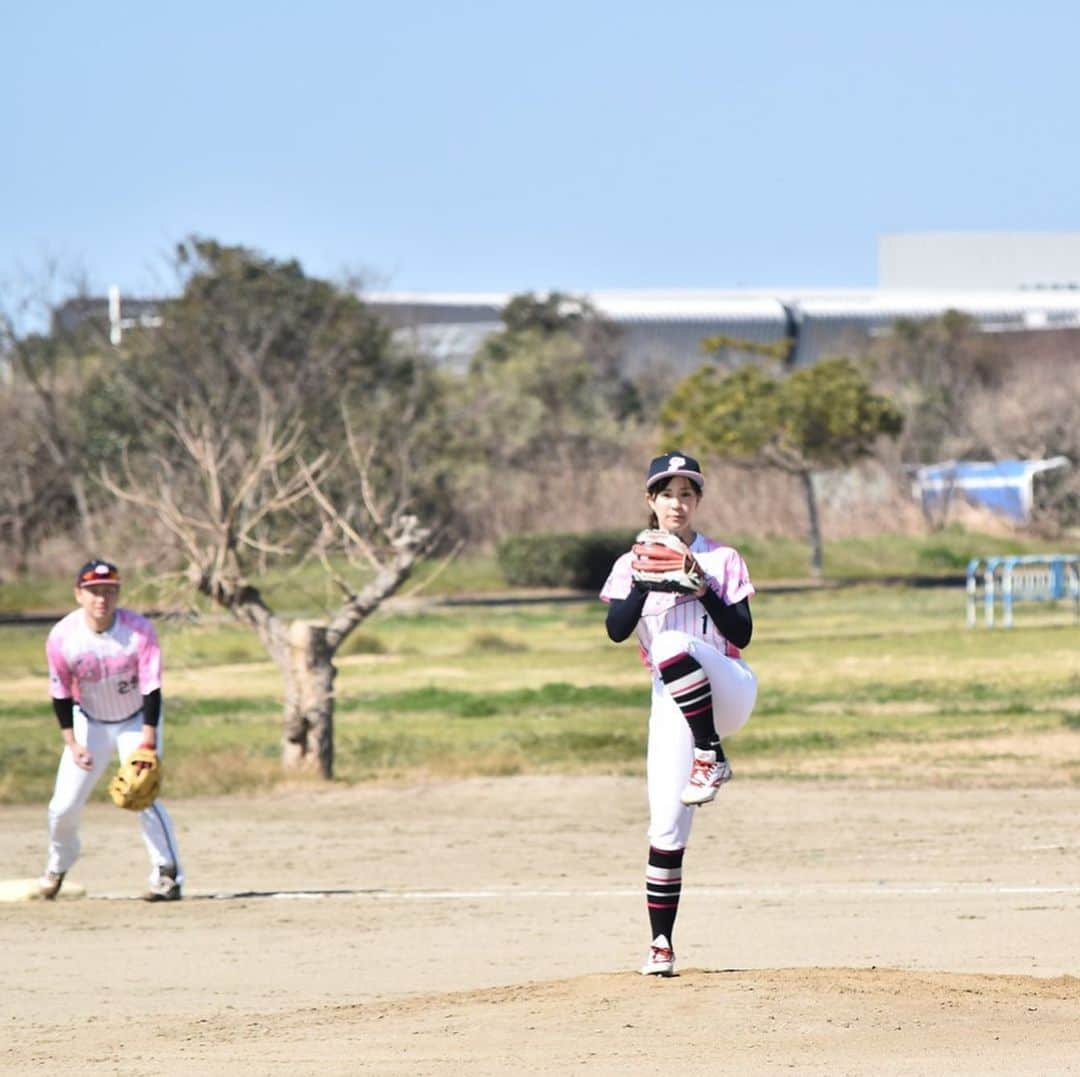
(735, 893)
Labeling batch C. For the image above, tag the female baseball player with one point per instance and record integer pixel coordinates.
(701, 690)
(105, 683)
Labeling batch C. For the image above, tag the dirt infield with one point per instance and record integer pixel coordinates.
(485, 925)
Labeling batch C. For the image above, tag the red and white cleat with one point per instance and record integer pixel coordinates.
(706, 776)
(661, 961)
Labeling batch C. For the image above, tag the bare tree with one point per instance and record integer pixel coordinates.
(1035, 414)
(280, 426)
(32, 501)
(51, 366)
(932, 369)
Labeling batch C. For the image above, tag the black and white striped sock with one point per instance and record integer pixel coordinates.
(663, 887)
(689, 686)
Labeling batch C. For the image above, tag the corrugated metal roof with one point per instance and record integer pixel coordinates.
(671, 323)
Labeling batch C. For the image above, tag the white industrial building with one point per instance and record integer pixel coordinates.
(983, 261)
(669, 326)
(1007, 282)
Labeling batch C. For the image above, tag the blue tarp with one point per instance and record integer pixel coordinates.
(1003, 486)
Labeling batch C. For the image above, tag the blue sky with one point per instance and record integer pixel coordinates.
(502, 146)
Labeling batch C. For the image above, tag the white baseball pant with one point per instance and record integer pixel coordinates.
(671, 744)
(74, 785)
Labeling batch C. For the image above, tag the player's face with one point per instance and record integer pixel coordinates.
(675, 506)
(98, 604)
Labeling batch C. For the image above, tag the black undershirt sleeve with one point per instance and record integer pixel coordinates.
(64, 709)
(623, 614)
(732, 622)
(151, 707)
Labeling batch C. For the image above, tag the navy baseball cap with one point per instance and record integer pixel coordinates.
(674, 463)
(98, 573)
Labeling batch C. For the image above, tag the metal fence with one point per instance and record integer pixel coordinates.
(1027, 578)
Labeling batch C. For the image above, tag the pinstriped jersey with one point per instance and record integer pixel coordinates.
(106, 673)
(726, 574)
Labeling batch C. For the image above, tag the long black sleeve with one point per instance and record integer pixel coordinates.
(623, 614)
(151, 707)
(733, 622)
(64, 709)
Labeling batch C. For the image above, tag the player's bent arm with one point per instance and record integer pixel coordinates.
(733, 622)
(64, 709)
(623, 614)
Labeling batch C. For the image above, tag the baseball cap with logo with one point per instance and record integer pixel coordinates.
(98, 574)
(674, 463)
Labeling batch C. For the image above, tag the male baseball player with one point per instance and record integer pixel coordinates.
(105, 682)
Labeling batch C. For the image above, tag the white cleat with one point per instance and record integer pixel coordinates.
(706, 776)
(164, 888)
(661, 960)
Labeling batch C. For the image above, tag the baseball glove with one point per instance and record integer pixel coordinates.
(661, 562)
(135, 787)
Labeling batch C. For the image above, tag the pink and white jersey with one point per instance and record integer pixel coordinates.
(106, 673)
(728, 576)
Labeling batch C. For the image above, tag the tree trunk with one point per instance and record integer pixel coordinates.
(308, 731)
(82, 507)
(813, 525)
(304, 650)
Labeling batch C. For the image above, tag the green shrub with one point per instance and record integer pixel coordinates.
(551, 559)
(942, 556)
(362, 643)
(493, 643)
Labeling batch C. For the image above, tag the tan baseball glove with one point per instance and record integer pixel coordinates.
(661, 562)
(138, 781)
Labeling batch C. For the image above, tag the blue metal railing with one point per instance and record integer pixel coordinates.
(1020, 578)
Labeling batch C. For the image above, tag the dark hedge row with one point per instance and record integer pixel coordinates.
(551, 559)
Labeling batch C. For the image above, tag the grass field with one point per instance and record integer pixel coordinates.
(306, 590)
(850, 678)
